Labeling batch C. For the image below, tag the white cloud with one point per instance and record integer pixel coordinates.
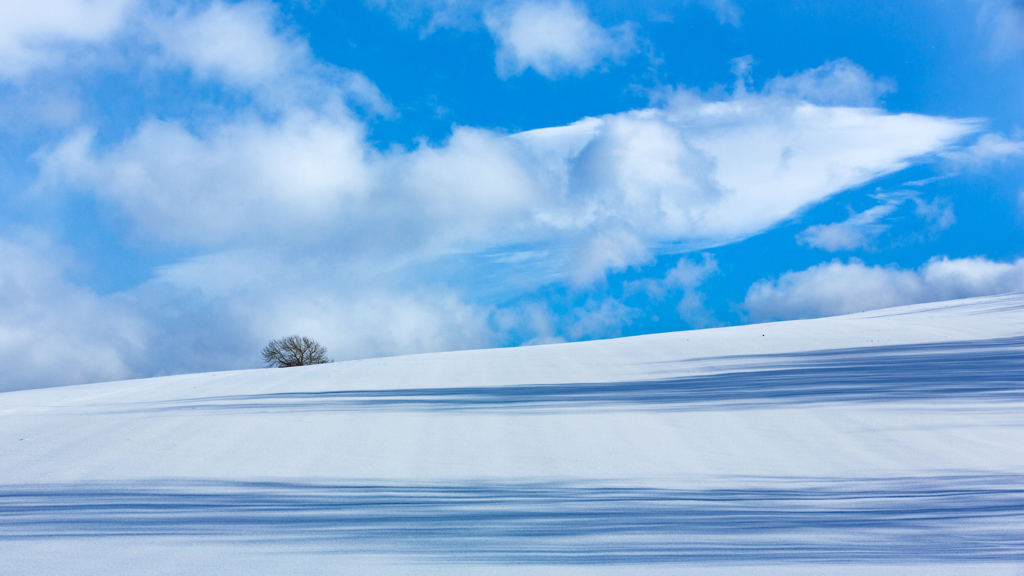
(692, 309)
(701, 173)
(938, 212)
(383, 323)
(54, 333)
(38, 104)
(861, 229)
(834, 83)
(242, 45)
(1003, 21)
(344, 242)
(689, 275)
(532, 322)
(988, 149)
(858, 231)
(607, 249)
(771, 159)
(477, 190)
(554, 38)
(214, 312)
(643, 170)
(236, 42)
(39, 33)
(356, 309)
(726, 10)
(245, 45)
(241, 179)
(433, 14)
(686, 277)
(600, 319)
(601, 194)
(836, 288)
(338, 235)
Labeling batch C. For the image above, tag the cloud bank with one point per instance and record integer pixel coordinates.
(615, 190)
(836, 288)
(294, 221)
(54, 333)
(336, 233)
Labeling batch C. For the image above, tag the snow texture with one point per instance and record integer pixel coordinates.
(886, 442)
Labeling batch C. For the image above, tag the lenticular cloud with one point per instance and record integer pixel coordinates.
(704, 173)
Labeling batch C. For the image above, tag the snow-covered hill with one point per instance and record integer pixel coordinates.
(888, 442)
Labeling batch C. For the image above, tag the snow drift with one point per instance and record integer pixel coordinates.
(884, 442)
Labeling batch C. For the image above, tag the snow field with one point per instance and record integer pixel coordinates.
(887, 442)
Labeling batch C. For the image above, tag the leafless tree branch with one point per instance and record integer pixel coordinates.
(294, 351)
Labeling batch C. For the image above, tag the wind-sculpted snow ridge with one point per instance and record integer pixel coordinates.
(887, 442)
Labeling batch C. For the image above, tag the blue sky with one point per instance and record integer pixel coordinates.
(183, 181)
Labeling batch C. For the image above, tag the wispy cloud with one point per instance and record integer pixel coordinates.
(835, 83)
(688, 275)
(683, 281)
(726, 11)
(1003, 22)
(857, 231)
(988, 149)
(602, 318)
(938, 213)
(862, 229)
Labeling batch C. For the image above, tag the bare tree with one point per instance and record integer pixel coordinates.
(294, 351)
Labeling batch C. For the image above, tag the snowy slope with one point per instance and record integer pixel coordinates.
(887, 442)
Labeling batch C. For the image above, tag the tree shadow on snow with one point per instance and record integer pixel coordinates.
(887, 520)
(972, 370)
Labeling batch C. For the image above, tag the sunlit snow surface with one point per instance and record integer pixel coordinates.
(888, 442)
